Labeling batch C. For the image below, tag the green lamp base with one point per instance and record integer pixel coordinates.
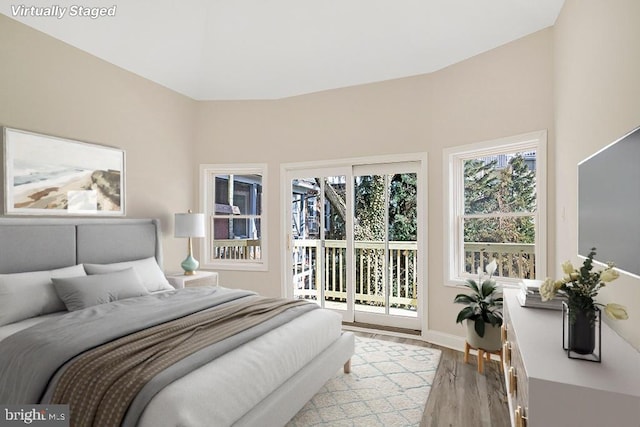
(190, 265)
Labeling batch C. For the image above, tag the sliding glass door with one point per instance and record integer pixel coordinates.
(386, 244)
(320, 227)
(353, 242)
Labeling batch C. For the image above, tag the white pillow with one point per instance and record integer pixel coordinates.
(25, 295)
(147, 269)
(82, 292)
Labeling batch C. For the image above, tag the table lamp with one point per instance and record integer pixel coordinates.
(189, 225)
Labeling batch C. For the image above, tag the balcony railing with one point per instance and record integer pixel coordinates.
(237, 249)
(514, 260)
(369, 280)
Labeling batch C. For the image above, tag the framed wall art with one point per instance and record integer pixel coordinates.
(46, 175)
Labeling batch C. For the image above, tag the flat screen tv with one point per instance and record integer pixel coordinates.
(609, 203)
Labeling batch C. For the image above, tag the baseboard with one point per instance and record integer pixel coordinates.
(442, 339)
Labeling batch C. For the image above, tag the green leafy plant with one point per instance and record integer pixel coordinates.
(580, 286)
(484, 304)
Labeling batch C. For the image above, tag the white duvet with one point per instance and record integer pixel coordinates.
(221, 392)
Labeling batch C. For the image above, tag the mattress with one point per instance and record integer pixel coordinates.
(221, 392)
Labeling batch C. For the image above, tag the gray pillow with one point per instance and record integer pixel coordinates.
(147, 269)
(82, 292)
(25, 295)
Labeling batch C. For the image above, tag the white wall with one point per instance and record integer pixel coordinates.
(50, 87)
(597, 100)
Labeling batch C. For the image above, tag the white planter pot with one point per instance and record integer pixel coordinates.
(491, 341)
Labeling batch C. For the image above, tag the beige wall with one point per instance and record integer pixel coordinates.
(49, 87)
(506, 91)
(597, 100)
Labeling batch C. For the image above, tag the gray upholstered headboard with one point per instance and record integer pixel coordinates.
(33, 244)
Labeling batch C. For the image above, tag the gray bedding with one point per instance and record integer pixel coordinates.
(26, 377)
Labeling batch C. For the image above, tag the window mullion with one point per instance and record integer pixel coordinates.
(499, 215)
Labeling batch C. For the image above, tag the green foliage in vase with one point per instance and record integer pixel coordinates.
(580, 286)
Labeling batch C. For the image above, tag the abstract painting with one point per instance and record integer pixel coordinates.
(46, 175)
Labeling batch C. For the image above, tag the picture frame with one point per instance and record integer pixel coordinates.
(48, 175)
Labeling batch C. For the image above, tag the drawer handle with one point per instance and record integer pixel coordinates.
(506, 350)
(512, 381)
(521, 420)
(503, 331)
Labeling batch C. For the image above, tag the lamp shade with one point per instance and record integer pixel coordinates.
(189, 225)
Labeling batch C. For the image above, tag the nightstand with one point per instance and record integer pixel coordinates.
(201, 278)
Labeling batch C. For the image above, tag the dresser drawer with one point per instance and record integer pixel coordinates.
(516, 379)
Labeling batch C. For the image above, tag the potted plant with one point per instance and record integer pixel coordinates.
(483, 311)
(580, 287)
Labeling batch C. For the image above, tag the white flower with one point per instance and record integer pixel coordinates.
(547, 290)
(567, 267)
(609, 275)
(616, 311)
(491, 267)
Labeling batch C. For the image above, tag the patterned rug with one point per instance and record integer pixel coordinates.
(388, 386)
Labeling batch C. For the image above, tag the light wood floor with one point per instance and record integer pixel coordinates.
(460, 396)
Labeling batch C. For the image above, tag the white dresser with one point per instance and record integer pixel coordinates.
(547, 389)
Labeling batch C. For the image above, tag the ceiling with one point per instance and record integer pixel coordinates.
(270, 49)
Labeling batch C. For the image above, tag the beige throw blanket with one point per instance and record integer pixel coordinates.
(100, 384)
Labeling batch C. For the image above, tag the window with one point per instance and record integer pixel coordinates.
(233, 199)
(496, 208)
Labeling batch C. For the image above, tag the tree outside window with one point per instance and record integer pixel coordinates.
(496, 208)
(499, 207)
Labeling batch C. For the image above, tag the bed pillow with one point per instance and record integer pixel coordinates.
(82, 292)
(25, 295)
(148, 271)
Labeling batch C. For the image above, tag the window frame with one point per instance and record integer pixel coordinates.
(453, 167)
(207, 202)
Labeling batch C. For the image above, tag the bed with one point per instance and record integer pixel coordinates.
(265, 378)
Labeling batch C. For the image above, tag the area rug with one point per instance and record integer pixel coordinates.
(388, 386)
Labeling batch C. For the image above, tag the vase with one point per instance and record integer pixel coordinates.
(582, 332)
(491, 341)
